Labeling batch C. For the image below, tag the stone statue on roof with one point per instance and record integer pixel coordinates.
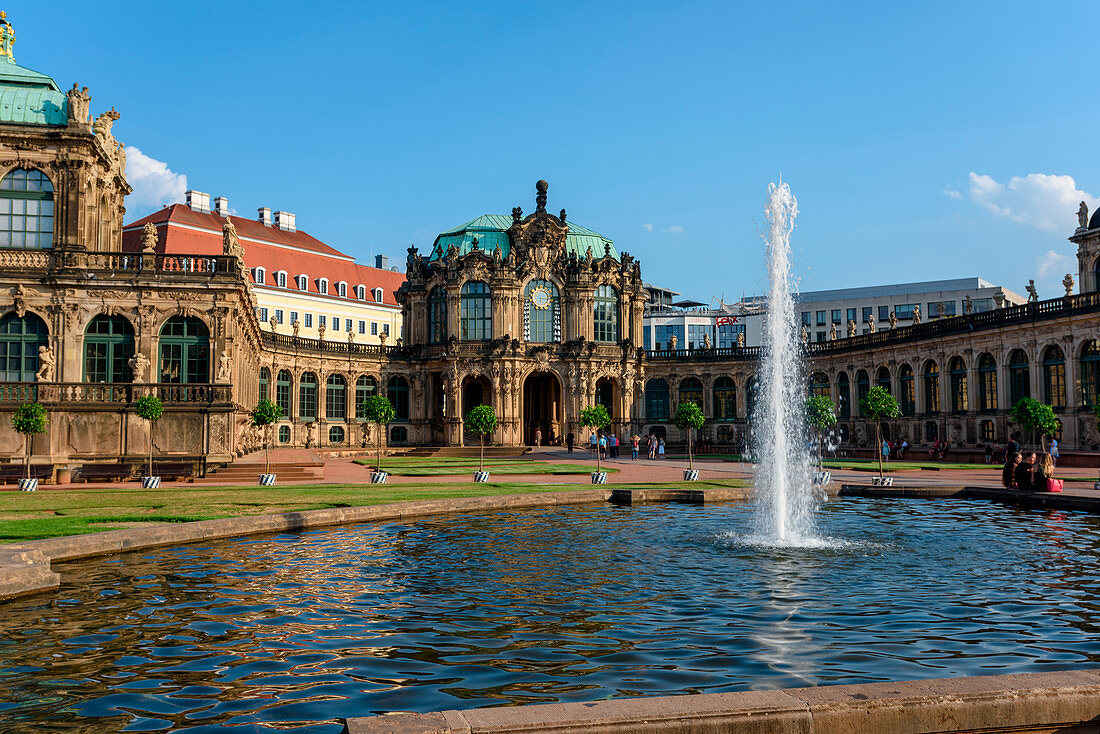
(498, 254)
(916, 314)
(968, 304)
(893, 319)
(741, 339)
(1067, 282)
(871, 323)
(1083, 216)
(832, 332)
(517, 214)
(149, 238)
(412, 262)
(102, 128)
(79, 102)
(1032, 293)
(851, 328)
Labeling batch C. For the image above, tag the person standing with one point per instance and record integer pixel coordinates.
(885, 450)
(1054, 450)
(569, 441)
(538, 437)
(651, 453)
(593, 442)
(634, 443)
(1013, 446)
(660, 448)
(613, 446)
(602, 447)
(903, 449)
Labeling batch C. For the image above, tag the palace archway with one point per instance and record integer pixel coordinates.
(542, 408)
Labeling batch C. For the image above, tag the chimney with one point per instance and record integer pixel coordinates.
(265, 216)
(284, 221)
(380, 261)
(221, 206)
(198, 201)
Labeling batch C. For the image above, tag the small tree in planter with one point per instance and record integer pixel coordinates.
(689, 417)
(29, 420)
(1036, 418)
(878, 405)
(265, 415)
(378, 410)
(481, 421)
(596, 417)
(821, 416)
(150, 408)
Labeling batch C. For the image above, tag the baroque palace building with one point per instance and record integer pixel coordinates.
(532, 314)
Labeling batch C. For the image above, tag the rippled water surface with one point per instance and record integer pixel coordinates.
(299, 631)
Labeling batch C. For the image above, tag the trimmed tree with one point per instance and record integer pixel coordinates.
(595, 416)
(821, 416)
(29, 420)
(1035, 418)
(878, 405)
(150, 408)
(265, 415)
(378, 410)
(482, 421)
(689, 417)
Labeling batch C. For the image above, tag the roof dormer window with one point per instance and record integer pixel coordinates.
(378, 295)
(361, 292)
(258, 276)
(322, 286)
(303, 282)
(280, 279)
(342, 289)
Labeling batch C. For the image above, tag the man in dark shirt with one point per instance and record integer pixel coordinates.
(1013, 445)
(1023, 472)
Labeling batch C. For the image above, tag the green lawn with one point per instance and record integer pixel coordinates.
(437, 467)
(871, 464)
(51, 513)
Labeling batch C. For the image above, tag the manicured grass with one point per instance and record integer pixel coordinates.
(438, 467)
(55, 512)
(888, 466)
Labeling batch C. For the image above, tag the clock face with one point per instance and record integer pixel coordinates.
(540, 297)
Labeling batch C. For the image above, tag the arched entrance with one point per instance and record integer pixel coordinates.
(606, 394)
(542, 408)
(475, 391)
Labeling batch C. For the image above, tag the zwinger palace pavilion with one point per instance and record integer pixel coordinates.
(531, 313)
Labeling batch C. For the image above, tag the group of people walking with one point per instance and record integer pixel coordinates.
(608, 445)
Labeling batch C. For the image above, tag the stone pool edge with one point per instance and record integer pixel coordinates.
(1066, 701)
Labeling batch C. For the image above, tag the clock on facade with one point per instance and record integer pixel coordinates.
(540, 297)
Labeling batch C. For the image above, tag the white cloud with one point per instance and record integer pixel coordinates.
(153, 182)
(674, 229)
(648, 227)
(1045, 201)
(1053, 264)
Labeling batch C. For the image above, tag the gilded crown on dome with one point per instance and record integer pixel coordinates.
(7, 37)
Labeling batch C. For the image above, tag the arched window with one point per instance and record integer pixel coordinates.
(883, 379)
(691, 391)
(342, 289)
(26, 210)
(303, 282)
(280, 279)
(336, 398)
(284, 434)
(336, 434)
(656, 400)
(907, 396)
(108, 347)
(1054, 377)
(1090, 373)
(819, 384)
(476, 311)
(265, 382)
(361, 292)
(258, 276)
(20, 338)
(843, 396)
(959, 385)
(184, 350)
(282, 392)
(725, 399)
(863, 386)
(931, 387)
(542, 312)
(1019, 377)
(987, 382)
(437, 315)
(307, 396)
(397, 390)
(606, 315)
(751, 388)
(322, 286)
(378, 295)
(365, 386)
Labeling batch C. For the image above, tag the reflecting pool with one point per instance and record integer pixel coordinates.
(299, 631)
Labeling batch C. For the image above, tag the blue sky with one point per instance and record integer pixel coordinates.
(922, 140)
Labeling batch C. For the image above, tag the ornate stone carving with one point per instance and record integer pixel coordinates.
(916, 314)
(1082, 216)
(149, 238)
(1067, 283)
(102, 128)
(79, 102)
(871, 324)
(851, 328)
(968, 304)
(1032, 293)
(832, 332)
(45, 364)
(225, 366)
(893, 319)
(139, 364)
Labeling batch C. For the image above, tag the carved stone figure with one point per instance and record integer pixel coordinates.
(999, 299)
(916, 314)
(149, 238)
(412, 261)
(706, 340)
(871, 324)
(1082, 211)
(225, 367)
(1032, 293)
(102, 128)
(138, 366)
(45, 364)
(941, 310)
(562, 216)
(517, 214)
(832, 332)
(672, 342)
(309, 434)
(351, 338)
(79, 101)
(741, 339)
(498, 254)
(273, 323)
(968, 304)
(805, 335)
(861, 434)
(851, 328)
(540, 195)
(320, 331)
(893, 320)
(1068, 283)
(295, 326)
(231, 243)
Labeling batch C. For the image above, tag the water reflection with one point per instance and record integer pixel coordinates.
(297, 631)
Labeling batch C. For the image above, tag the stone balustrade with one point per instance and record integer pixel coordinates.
(117, 393)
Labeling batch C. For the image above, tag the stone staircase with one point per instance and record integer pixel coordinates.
(288, 472)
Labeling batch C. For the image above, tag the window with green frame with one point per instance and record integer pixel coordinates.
(476, 311)
(307, 396)
(26, 210)
(725, 398)
(282, 391)
(265, 383)
(843, 395)
(960, 399)
(184, 351)
(691, 391)
(907, 396)
(863, 386)
(987, 382)
(1019, 377)
(108, 347)
(1090, 373)
(20, 338)
(365, 386)
(606, 315)
(1054, 377)
(397, 390)
(437, 315)
(541, 316)
(657, 400)
(819, 385)
(336, 398)
(752, 387)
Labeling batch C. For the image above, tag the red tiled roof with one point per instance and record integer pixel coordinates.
(181, 230)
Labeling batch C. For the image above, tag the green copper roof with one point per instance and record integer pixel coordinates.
(492, 229)
(30, 98)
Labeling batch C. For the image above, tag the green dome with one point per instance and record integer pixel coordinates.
(492, 229)
(27, 97)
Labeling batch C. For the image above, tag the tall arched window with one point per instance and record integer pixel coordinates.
(26, 210)
(397, 390)
(542, 312)
(282, 391)
(882, 379)
(691, 391)
(606, 315)
(477, 311)
(751, 389)
(1090, 373)
(184, 350)
(987, 382)
(907, 395)
(725, 399)
(108, 347)
(307, 396)
(365, 386)
(959, 385)
(265, 383)
(863, 386)
(20, 338)
(657, 400)
(1054, 377)
(819, 384)
(437, 315)
(336, 398)
(1019, 377)
(843, 396)
(931, 388)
